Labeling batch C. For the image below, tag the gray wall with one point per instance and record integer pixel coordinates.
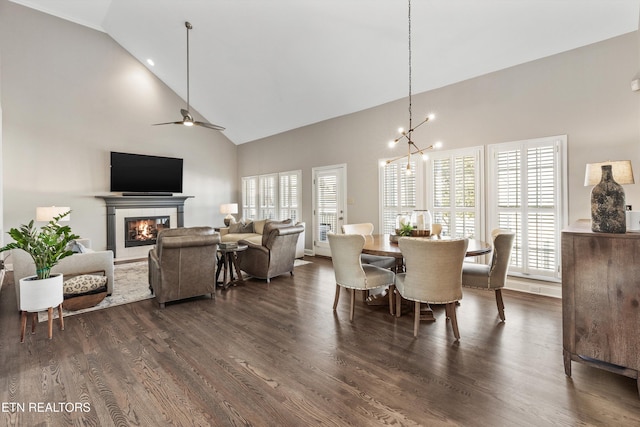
(584, 93)
(70, 96)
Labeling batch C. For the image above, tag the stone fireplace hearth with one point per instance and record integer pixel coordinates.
(168, 210)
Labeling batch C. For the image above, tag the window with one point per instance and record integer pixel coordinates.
(398, 192)
(250, 197)
(272, 196)
(290, 196)
(455, 181)
(268, 195)
(527, 194)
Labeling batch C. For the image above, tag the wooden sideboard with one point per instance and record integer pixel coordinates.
(601, 299)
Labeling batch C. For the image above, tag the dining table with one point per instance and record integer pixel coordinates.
(381, 244)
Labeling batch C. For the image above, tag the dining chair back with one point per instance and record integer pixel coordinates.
(492, 276)
(350, 273)
(433, 275)
(366, 229)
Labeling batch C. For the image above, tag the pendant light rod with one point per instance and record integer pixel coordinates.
(189, 27)
(407, 134)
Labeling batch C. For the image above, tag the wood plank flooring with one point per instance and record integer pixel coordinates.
(277, 355)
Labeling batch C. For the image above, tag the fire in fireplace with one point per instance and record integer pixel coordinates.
(141, 231)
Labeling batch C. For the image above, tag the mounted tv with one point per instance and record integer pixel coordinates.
(142, 174)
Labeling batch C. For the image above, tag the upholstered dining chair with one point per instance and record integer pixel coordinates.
(350, 273)
(434, 275)
(366, 229)
(492, 276)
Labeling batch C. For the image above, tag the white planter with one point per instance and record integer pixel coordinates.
(40, 294)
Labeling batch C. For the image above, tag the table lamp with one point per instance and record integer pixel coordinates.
(607, 195)
(48, 213)
(229, 209)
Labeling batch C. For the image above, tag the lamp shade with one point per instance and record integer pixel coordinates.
(48, 213)
(229, 208)
(621, 169)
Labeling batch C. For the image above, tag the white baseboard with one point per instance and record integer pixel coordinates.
(534, 287)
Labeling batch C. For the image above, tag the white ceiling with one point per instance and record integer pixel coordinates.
(263, 67)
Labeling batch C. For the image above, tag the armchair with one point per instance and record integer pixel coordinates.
(434, 276)
(183, 263)
(492, 276)
(276, 254)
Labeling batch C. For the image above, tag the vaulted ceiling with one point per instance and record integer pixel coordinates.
(264, 67)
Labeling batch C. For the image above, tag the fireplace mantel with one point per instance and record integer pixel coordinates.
(142, 201)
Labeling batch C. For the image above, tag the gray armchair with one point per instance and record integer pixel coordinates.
(276, 254)
(183, 263)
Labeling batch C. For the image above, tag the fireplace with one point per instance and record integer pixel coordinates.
(142, 231)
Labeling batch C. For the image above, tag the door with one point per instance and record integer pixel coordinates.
(329, 194)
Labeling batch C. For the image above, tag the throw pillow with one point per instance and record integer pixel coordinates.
(76, 247)
(83, 284)
(241, 227)
(258, 226)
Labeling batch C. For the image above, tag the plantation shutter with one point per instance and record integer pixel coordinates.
(249, 197)
(289, 200)
(327, 205)
(528, 178)
(398, 193)
(455, 191)
(268, 194)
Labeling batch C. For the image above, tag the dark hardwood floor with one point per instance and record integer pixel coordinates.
(278, 355)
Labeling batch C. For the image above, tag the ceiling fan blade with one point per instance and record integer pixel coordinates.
(208, 125)
(168, 123)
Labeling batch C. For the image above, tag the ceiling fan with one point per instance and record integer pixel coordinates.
(187, 118)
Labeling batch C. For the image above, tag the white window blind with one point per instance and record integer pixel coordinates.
(272, 196)
(398, 192)
(268, 194)
(527, 194)
(250, 197)
(327, 205)
(290, 195)
(455, 179)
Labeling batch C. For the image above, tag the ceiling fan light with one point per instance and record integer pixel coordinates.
(187, 123)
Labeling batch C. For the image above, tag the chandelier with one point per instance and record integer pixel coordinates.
(413, 149)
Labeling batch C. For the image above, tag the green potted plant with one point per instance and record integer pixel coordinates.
(47, 246)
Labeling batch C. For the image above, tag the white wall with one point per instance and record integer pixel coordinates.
(70, 96)
(584, 93)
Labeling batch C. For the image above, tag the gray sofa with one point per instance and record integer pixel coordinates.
(74, 265)
(252, 231)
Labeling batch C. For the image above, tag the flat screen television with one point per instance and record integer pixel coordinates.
(138, 173)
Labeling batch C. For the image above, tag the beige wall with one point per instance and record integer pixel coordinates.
(584, 93)
(70, 96)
